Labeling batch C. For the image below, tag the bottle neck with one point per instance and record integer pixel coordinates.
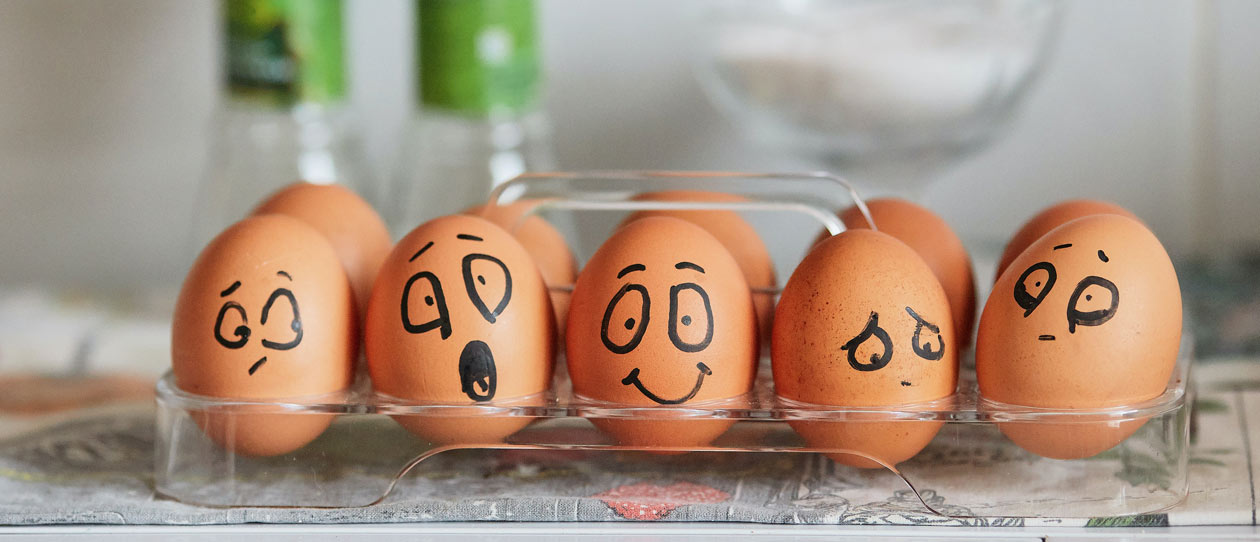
(280, 53)
(478, 58)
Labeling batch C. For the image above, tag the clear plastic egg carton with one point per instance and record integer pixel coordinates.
(365, 457)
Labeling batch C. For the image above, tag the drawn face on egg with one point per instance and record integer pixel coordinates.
(661, 315)
(689, 327)
(1093, 300)
(459, 312)
(233, 331)
(873, 348)
(485, 285)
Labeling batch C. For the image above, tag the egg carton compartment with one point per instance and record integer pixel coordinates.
(363, 455)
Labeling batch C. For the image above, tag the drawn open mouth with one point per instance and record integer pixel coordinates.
(633, 378)
(478, 376)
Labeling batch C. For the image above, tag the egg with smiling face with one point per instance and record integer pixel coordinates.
(459, 314)
(1089, 316)
(661, 315)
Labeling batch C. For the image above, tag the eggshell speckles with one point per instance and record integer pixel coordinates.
(1051, 218)
(735, 233)
(864, 322)
(661, 314)
(933, 240)
(349, 223)
(542, 241)
(460, 314)
(1088, 316)
(265, 313)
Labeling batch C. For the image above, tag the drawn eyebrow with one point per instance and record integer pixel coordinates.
(467, 237)
(1103, 256)
(688, 265)
(285, 275)
(230, 289)
(1064, 245)
(419, 252)
(630, 268)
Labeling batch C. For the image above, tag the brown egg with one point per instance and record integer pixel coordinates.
(1051, 218)
(1089, 316)
(864, 322)
(543, 242)
(931, 237)
(353, 227)
(661, 315)
(460, 315)
(265, 313)
(736, 234)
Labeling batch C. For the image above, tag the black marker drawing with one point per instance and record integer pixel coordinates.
(688, 265)
(256, 365)
(285, 274)
(478, 378)
(468, 237)
(230, 289)
(419, 252)
(633, 379)
(924, 350)
(630, 323)
(1045, 337)
(1064, 245)
(630, 269)
(877, 361)
(489, 314)
(295, 325)
(673, 318)
(241, 332)
(904, 383)
(1027, 301)
(442, 321)
(1103, 256)
(1091, 318)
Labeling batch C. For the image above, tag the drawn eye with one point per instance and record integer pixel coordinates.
(295, 321)
(232, 316)
(487, 279)
(1093, 302)
(877, 360)
(923, 345)
(690, 317)
(625, 319)
(1034, 285)
(424, 305)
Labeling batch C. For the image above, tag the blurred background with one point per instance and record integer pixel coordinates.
(108, 113)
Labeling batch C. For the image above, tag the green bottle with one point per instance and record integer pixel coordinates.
(479, 120)
(283, 116)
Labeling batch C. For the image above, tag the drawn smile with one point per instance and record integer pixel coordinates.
(633, 378)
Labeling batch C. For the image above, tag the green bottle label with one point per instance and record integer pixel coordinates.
(284, 51)
(477, 56)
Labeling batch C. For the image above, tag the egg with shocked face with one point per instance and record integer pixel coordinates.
(459, 314)
(1088, 316)
(863, 322)
(661, 315)
(265, 313)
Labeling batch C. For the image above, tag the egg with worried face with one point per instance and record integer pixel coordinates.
(661, 315)
(1089, 316)
(864, 322)
(265, 313)
(459, 314)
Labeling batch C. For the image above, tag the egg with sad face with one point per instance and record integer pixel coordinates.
(661, 315)
(459, 314)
